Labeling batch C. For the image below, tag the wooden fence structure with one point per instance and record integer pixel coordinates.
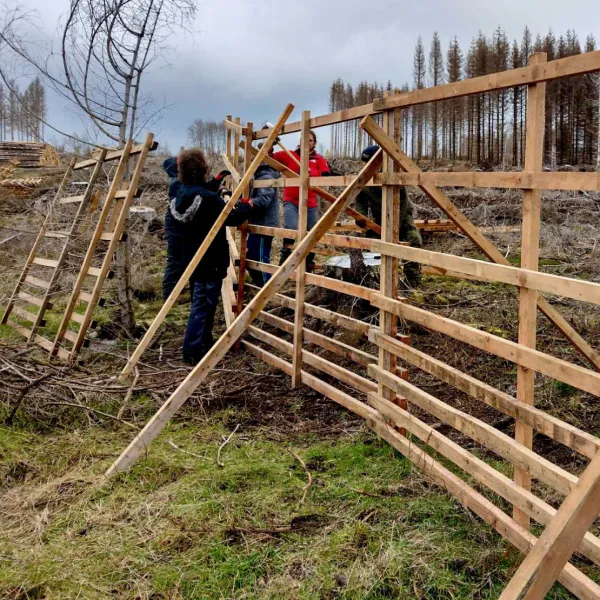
(377, 386)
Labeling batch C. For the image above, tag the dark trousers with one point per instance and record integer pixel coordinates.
(198, 338)
(258, 248)
(290, 221)
(176, 259)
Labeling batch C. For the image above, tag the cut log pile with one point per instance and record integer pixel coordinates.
(29, 154)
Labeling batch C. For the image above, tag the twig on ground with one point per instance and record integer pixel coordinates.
(219, 463)
(99, 412)
(308, 476)
(129, 393)
(23, 393)
(187, 451)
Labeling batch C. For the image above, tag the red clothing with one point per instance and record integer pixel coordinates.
(317, 166)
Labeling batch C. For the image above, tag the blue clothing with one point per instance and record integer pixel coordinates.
(266, 207)
(198, 335)
(258, 248)
(290, 221)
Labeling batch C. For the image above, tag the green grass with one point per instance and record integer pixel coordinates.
(179, 526)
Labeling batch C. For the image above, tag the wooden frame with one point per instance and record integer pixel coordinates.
(373, 392)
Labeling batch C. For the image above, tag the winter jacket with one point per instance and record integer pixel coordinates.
(266, 207)
(197, 209)
(170, 166)
(317, 167)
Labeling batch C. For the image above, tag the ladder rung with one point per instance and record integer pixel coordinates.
(37, 282)
(45, 262)
(58, 234)
(85, 296)
(122, 194)
(26, 333)
(94, 271)
(77, 318)
(63, 354)
(71, 336)
(107, 236)
(71, 199)
(25, 314)
(44, 343)
(32, 299)
(90, 162)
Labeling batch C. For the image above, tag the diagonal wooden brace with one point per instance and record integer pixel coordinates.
(546, 560)
(170, 301)
(237, 328)
(473, 233)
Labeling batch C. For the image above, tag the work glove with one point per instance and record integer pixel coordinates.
(247, 201)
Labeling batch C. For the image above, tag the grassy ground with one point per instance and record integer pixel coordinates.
(180, 526)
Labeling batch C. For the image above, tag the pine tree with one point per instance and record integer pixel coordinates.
(454, 65)
(436, 77)
(419, 70)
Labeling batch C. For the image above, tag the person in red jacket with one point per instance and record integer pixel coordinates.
(317, 167)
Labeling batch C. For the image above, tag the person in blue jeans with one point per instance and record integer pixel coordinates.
(196, 208)
(265, 212)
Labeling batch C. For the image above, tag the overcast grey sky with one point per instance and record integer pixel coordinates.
(250, 58)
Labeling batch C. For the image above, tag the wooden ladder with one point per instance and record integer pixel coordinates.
(64, 221)
(101, 250)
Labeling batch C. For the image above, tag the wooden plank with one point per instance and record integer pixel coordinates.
(560, 431)
(45, 262)
(324, 314)
(233, 251)
(312, 360)
(25, 314)
(480, 470)
(26, 333)
(71, 199)
(85, 296)
(312, 337)
(541, 567)
(298, 330)
(340, 116)
(113, 155)
(503, 445)
(473, 233)
(534, 73)
(94, 271)
(43, 342)
(70, 335)
(236, 146)
(29, 298)
(61, 235)
(343, 287)
(234, 172)
(77, 317)
(578, 289)
(170, 301)
(582, 379)
(228, 139)
(35, 281)
(530, 251)
(235, 127)
(199, 373)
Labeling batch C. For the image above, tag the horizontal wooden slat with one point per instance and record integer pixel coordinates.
(63, 354)
(85, 296)
(70, 335)
(31, 299)
(71, 200)
(107, 237)
(25, 314)
(577, 289)
(234, 127)
(480, 470)
(44, 343)
(558, 430)
(114, 155)
(61, 235)
(40, 283)
(26, 333)
(75, 316)
(94, 271)
(45, 262)
(337, 117)
(582, 379)
(494, 440)
(329, 316)
(555, 69)
(312, 337)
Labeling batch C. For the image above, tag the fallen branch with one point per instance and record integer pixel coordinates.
(308, 476)
(187, 451)
(219, 463)
(22, 393)
(129, 393)
(94, 410)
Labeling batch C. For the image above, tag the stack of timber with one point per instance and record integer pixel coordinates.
(29, 154)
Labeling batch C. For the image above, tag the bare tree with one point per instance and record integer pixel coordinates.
(104, 49)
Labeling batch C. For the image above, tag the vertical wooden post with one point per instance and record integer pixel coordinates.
(228, 144)
(244, 227)
(302, 228)
(530, 248)
(388, 276)
(236, 147)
